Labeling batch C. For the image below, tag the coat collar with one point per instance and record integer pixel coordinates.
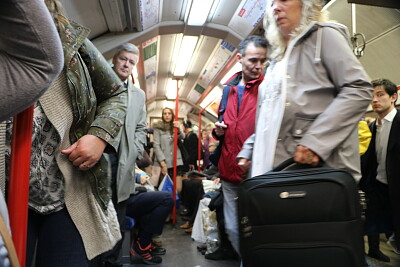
(72, 38)
(237, 77)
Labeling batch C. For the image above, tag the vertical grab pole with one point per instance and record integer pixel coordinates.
(18, 189)
(199, 142)
(176, 132)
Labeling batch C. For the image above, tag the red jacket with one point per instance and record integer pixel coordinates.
(240, 126)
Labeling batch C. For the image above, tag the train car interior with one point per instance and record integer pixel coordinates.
(188, 51)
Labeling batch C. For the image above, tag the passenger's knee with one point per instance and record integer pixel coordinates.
(167, 199)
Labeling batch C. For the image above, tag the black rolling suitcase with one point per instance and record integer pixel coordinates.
(308, 217)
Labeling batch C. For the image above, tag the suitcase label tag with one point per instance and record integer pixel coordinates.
(293, 194)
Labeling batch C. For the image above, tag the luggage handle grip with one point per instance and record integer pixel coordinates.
(285, 164)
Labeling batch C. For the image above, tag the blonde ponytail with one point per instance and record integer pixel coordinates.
(56, 11)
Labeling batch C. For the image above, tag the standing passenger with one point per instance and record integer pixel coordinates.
(164, 146)
(191, 145)
(380, 170)
(30, 60)
(238, 125)
(133, 139)
(314, 93)
(70, 217)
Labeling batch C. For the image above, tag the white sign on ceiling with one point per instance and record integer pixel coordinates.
(247, 16)
(216, 63)
(150, 67)
(149, 13)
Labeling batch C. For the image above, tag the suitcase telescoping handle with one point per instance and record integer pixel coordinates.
(283, 165)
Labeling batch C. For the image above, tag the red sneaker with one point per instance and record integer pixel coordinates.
(144, 254)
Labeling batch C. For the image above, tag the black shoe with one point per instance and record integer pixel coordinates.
(200, 248)
(220, 254)
(377, 254)
(112, 264)
(144, 254)
(184, 212)
(157, 250)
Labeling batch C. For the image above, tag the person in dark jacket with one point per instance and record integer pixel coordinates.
(191, 145)
(380, 170)
(238, 125)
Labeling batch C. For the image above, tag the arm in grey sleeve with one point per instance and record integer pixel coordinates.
(141, 131)
(157, 145)
(247, 148)
(31, 55)
(354, 93)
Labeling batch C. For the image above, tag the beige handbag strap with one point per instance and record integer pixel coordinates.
(5, 234)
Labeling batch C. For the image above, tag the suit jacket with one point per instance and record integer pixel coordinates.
(369, 169)
(133, 140)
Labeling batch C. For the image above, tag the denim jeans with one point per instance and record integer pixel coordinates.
(230, 192)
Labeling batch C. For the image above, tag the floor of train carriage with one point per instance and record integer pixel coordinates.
(387, 250)
(182, 252)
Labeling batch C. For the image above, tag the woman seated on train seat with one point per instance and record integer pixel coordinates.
(71, 218)
(193, 192)
(149, 208)
(163, 145)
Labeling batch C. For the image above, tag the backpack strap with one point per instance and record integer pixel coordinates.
(8, 243)
(224, 101)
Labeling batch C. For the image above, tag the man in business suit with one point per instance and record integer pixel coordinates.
(380, 167)
(133, 140)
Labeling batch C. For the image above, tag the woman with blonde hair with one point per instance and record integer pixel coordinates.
(313, 95)
(71, 219)
(164, 145)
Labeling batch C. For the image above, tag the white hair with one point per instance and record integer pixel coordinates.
(311, 11)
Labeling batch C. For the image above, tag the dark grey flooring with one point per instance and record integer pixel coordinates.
(394, 258)
(182, 252)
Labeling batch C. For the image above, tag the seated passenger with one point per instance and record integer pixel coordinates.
(155, 206)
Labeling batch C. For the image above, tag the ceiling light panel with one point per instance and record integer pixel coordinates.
(198, 12)
(185, 55)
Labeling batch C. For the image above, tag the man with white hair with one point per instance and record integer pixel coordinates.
(134, 132)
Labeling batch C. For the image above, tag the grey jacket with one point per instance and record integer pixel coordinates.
(31, 55)
(327, 93)
(133, 139)
(164, 147)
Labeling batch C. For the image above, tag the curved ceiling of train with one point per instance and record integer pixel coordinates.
(159, 27)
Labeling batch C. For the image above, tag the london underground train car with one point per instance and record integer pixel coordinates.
(135, 155)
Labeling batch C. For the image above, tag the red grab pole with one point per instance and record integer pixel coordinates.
(176, 132)
(199, 142)
(18, 189)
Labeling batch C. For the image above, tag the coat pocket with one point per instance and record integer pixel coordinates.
(293, 137)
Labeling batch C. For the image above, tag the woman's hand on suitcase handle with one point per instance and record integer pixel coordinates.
(245, 165)
(304, 155)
